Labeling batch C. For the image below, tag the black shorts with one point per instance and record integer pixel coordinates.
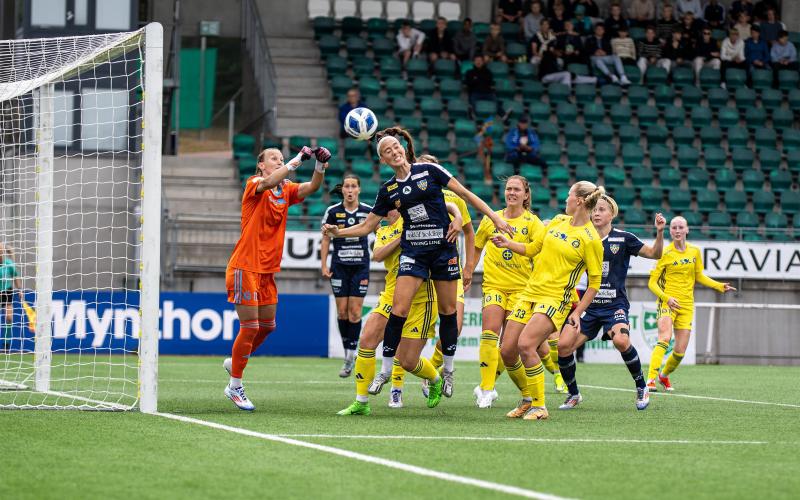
(6, 297)
(349, 281)
(439, 264)
(595, 319)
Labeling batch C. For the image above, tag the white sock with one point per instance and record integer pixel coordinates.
(349, 354)
(235, 383)
(386, 366)
(362, 399)
(448, 362)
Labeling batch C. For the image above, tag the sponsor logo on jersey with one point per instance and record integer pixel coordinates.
(404, 259)
(391, 187)
(425, 234)
(340, 215)
(614, 248)
(364, 282)
(397, 203)
(417, 213)
(406, 189)
(452, 269)
(524, 230)
(415, 330)
(277, 201)
(351, 220)
(576, 243)
(508, 254)
(452, 261)
(341, 226)
(423, 184)
(616, 239)
(419, 175)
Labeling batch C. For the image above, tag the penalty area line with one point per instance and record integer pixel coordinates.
(525, 440)
(693, 396)
(392, 464)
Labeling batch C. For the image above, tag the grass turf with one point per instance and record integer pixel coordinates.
(72, 454)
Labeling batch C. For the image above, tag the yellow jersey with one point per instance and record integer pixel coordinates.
(384, 236)
(563, 252)
(503, 269)
(676, 273)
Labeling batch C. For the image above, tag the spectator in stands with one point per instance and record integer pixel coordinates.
(522, 145)
(760, 10)
(692, 28)
(494, 47)
(666, 24)
(615, 21)
(582, 22)
(650, 52)
(530, 23)
(551, 69)
(542, 41)
(783, 55)
(714, 14)
(732, 53)
(624, 47)
(743, 25)
(590, 9)
(706, 53)
(642, 13)
(558, 20)
(693, 6)
(771, 27)
(570, 45)
(756, 51)
(439, 44)
(479, 82)
(464, 42)
(599, 50)
(551, 7)
(739, 6)
(510, 11)
(676, 52)
(353, 101)
(409, 42)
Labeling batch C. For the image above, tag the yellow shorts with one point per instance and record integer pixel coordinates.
(460, 291)
(422, 318)
(495, 297)
(524, 310)
(681, 319)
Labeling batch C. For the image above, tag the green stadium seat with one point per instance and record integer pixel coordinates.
(316, 208)
(473, 170)
(445, 67)
(514, 108)
(610, 95)
(674, 116)
(752, 179)
(464, 128)
(243, 144)
(763, 201)
(664, 95)
(655, 76)
(423, 87)
(688, 157)
(586, 172)
(629, 134)
(736, 78)
(363, 66)
(330, 143)
(792, 159)
(547, 131)
(585, 94)
(747, 219)
(437, 126)
(701, 117)
(766, 138)
(539, 111)
(362, 168)
(534, 175)
(580, 69)
(682, 75)
(352, 25)
(340, 84)
(725, 179)
(498, 69)
(390, 67)
(742, 158)
(793, 98)
(600, 132)
(505, 88)
(605, 153)
(431, 106)
(717, 98)
(397, 86)
(577, 153)
(355, 45)
(485, 109)
(656, 134)
(354, 148)
(323, 25)
(328, 44)
(524, 71)
(502, 169)
(790, 202)
(550, 153)
(620, 114)
(457, 108)
(635, 217)
(246, 166)
(377, 25)
(690, 96)
(574, 132)
(769, 159)
(449, 88)
(558, 93)
(679, 199)
(683, 136)
(660, 158)
(738, 137)
(728, 117)
(593, 113)
(692, 217)
(790, 138)
(539, 195)
(614, 176)
(735, 200)
(411, 123)
(761, 78)
(652, 198)
(697, 178)
(416, 68)
(719, 219)
(566, 112)
(641, 175)
(638, 95)
(714, 157)
(780, 180)
(369, 86)
(710, 135)
(439, 147)
(335, 65)
(709, 78)
(532, 90)
(633, 73)
(755, 117)
(782, 118)
(483, 191)
(788, 79)
(777, 221)
(515, 50)
(744, 97)
(296, 142)
(466, 147)
(624, 196)
(377, 104)
(772, 98)
(707, 199)
(647, 115)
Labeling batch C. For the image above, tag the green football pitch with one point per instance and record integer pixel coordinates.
(727, 432)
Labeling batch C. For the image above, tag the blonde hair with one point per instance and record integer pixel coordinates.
(589, 193)
(426, 158)
(611, 203)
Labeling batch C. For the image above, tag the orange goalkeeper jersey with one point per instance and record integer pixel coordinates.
(260, 247)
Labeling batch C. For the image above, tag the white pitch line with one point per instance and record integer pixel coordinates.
(392, 464)
(692, 396)
(257, 382)
(527, 440)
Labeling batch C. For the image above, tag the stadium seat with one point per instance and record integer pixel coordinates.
(679, 199)
(532, 90)
(449, 88)
(416, 68)
(354, 148)
(714, 157)
(437, 126)
(243, 144)
(534, 175)
(761, 78)
(580, 69)
(550, 153)
(355, 46)
(577, 153)
(746, 219)
(431, 106)
(620, 114)
(382, 47)
(738, 137)
(397, 86)
(464, 128)
(423, 87)
(655, 76)
(710, 135)
(613, 176)
(547, 131)
(624, 196)
(352, 25)
(515, 51)
(600, 132)
(296, 142)
(664, 95)
(510, 31)
(485, 109)
(540, 196)
(505, 88)
(566, 112)
(444, 67)
(457, 108)
(782, 118)
(412, 124)
(635, 217)
(656, 134)
(744, 98)
(377, 104)
(586, 172)
(688, 157)
(736, 78)
(610, 95)
(647, 115)
(701, 117)
(709, 78)
(674, 116)
(697, 178)
(769, 159)
(390, 67)
(788, 79)
(763, 201)
(638, 95)
(772, 98)
(668, 177)
(629, 134)
(728, 117)
(692, 217)
(707, 199)
(652, 198)
(481, 31)
(633, 73)
(752, 179)
(780, 180)
(682, 76)
(790, 138)
(574, 132)
(502, 169)
(719, 219)
(498, 69)
(742, 158)
(330, 143)
(335, 64)
(683, 136)
(633, 156)
(558, 93)
(340, 84)
(766, 138)
(790, 202)
(514, 108)
(735, 200)
(466, 147)
(328, 44)
(690, 96)
(641, 175)
(793, 98)
(539, 111)
(725, 179)
(776, 221)
(585, 94)
(605, 153)
(593, 113)
(482, 190)
(557, 174)
(525, 72)
(439, 147)
(362, 168)
(755, 117)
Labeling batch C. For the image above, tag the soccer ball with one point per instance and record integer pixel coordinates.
(361, 123)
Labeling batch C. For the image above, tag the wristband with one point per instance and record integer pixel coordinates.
(319, 167)
(295, 162)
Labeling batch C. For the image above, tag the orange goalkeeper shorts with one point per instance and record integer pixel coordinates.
(250, 289)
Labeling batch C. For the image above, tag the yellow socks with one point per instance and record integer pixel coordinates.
(535, 375)
(488, 357)
(398, 375)
(501, 367)
(549, 365)
(365, 371)
(673, 361)
(425, 369)
(437, 359)
(517, 375)
(656, 358)
(553, 343)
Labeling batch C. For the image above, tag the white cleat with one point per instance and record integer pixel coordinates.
(378, 382)
(486, 399)
(477, 392)
(642, 398)
(425, 389)
(239, 398)
(228, 365)
(572, 401)
(447, 386)
(396, 399)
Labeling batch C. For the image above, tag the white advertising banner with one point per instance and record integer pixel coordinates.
(722, 259)
(644, 334)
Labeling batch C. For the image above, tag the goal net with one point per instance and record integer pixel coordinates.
(80, 201)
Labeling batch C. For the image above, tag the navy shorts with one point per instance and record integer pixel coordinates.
(349, 281)
(605, 318)
(439, 263)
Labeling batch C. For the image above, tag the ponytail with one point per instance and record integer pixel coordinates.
(589, 193)
(397, 133)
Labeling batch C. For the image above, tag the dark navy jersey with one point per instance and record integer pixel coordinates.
(348, 251)
(420, 201)
(618, 247)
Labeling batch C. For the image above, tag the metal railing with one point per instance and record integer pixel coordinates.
(255, 40)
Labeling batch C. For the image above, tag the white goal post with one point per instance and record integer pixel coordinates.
(80, 221)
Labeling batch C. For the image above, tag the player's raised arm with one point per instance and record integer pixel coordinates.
(369, 225)
(308, 188)
(655, 250)
(280, 173)
(701, 278)
(470, 197)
